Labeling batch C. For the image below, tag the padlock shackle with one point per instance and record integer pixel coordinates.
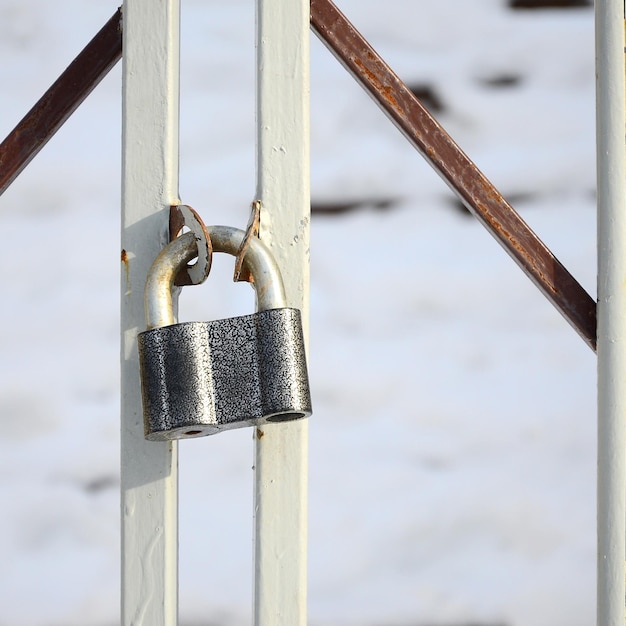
(268, 282)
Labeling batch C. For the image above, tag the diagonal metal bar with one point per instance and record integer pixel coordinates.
(454, 166)
(61, 100)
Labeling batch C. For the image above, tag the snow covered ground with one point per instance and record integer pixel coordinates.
(453, 442)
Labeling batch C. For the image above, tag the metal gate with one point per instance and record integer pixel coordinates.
(149, 36)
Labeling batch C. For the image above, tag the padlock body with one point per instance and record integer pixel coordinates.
(199, 378)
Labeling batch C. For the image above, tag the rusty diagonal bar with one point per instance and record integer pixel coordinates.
(392, 95)
(443, 154)
(60, 101)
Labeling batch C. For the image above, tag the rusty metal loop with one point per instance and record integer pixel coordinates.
(184, 216)
(241, 273)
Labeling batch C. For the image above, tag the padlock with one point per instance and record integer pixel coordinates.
(199, 378)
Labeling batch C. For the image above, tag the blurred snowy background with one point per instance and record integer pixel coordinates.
(453, 442)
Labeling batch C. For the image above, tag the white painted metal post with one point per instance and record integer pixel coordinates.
(283, 188)
(610, 16)
(150, 185)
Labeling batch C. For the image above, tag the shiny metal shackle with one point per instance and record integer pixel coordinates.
(268, 282)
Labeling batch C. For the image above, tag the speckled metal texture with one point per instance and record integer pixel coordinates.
(199, 378)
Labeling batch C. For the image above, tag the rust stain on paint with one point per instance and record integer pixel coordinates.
(126, 263)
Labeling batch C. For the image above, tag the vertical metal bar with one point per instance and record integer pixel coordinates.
(51, 111)
(149, 187)
(283, 188)
(611, 110)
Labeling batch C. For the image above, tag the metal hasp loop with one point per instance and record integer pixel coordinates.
(251, 231)
(181, 216)
(199, 378)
